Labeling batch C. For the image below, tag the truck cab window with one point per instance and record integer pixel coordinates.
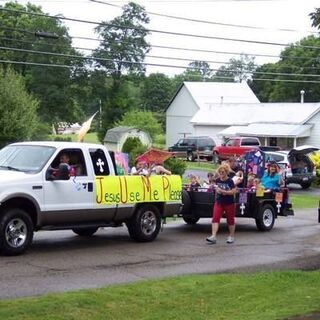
(99, 162)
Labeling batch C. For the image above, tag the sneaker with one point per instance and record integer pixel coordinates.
(211, 239)
(230, 239)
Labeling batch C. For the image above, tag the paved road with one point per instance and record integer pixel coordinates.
(60, 261)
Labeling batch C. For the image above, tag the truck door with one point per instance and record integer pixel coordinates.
(71, 199)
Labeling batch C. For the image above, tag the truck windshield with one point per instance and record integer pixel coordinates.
(26, 158)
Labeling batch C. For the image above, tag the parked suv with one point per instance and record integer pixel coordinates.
(295, 164)
(193, 146)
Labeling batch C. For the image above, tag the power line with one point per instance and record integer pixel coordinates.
(221, 77)
(156, 31)
(151, 64)
(206, 21)
(164, 47)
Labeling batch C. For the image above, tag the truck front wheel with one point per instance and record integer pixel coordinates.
(16, 232)
(145, 224)
(266, 218)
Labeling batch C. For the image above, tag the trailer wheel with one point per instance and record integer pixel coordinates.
(16, 232)
(145, 224)
(190, 219)
(266, 218)
(85, 232)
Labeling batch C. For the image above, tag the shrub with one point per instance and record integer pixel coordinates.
(130, 144)
(176, 166)
(62, 138)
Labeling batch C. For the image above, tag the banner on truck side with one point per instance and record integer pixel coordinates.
(135, 189)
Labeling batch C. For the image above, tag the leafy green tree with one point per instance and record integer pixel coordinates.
(122, 50)
(315, 17)
(237, 70)
(156, 92)
(143, 120)
(18, 109)
(50, 85)
(296, 63)
(202, 68)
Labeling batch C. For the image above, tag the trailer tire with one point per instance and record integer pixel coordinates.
(145, 225)
(190, 219)
(266, 218)
(16, 232)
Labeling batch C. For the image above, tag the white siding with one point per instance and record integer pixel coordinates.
(211, 131)
(314, 138)
(178, 117)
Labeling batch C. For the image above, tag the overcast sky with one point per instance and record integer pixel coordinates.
(268, 16)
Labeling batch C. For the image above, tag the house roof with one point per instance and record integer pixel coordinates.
(269, 130)
(115, 134)
(244, 114)
(207, 93)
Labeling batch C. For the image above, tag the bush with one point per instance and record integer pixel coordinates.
(131, 144)
(176, 166)
(62, 138)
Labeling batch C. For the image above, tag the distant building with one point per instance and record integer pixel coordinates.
(67, 128)
(195, 110)
(116, 137)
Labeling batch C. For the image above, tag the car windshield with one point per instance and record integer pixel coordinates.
(26, 158)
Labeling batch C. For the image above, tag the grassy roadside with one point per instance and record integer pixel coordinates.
(260, 296)
(304, 201)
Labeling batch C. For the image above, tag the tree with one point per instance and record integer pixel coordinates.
(156, 92)
(315, 17)
(50, 85)
(143, 120)
(237, 70)
(123, 46)
(18, 109)
(201, 68)
(296, 63)
(122, 49)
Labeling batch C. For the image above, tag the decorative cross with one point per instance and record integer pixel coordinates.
(278, 206)
(242, 207)
(100, 164)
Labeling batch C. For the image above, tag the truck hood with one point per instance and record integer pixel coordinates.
(305, 149)
(10, 175)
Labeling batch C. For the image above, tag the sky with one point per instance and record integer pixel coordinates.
(268, 17)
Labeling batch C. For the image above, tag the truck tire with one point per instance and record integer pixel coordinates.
(145, 225)
(190, 219)
(186, 203)
(190, 156)
(85, 232)
(16, 232)
(266, 218)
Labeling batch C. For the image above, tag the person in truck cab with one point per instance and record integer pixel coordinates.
(271, 179)
(64, 159)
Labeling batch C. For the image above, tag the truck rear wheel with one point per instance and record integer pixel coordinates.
(145, 224)
(16, 232)
(85, 232)
(266, 218)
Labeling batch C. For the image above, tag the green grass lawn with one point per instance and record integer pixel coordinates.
(202, 165)
(304, 201)
(260, 296)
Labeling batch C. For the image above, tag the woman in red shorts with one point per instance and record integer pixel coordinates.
(224, 203)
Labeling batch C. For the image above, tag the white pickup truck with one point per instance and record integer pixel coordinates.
(33, 198)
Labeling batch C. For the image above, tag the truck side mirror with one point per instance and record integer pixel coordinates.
(61, 174)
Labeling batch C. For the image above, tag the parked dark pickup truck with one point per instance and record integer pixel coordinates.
(198, 203)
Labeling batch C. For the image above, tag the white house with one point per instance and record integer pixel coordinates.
(194, 96)
(284, 124)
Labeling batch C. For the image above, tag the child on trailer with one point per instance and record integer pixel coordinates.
(194, 183)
